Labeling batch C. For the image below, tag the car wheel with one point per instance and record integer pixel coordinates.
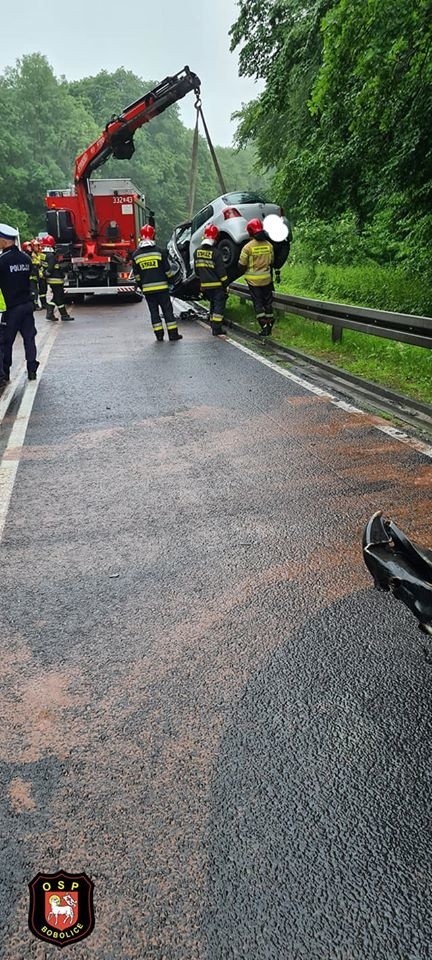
(230, 251)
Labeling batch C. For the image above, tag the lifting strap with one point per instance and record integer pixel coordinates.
(199, 113)
(193, 176)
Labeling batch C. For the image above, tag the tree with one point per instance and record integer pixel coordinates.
(281, 43)
(42, 127)
(345, 114)
(380, 127)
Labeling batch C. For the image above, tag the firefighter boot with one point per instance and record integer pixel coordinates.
(174, 335)
(64, 315)
(263, 331)
(159, 334)
(217, 328)
(50, 315)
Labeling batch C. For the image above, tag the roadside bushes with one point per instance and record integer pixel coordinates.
(369, 285)
(336, 260)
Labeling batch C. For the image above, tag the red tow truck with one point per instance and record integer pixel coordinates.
(96, 223)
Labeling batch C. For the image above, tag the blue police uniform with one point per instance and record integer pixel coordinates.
(15, 272)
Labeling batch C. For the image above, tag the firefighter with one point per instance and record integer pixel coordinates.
(54, 271)
(15, 270)
(152, 273)
(41, 282)
(256, 259)
(34, 275)
(40, 258)
(212, 275)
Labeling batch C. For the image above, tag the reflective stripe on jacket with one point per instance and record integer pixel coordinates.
(257, 256)
(52, 269)
(151, 268)
(209, 267)
(35, 259)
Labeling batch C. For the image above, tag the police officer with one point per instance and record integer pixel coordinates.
(152, 273)
(15, 270)
(256, 260)
(55, 272)
(212, 275)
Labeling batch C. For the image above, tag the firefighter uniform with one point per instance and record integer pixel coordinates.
(55, 272)
(212, 275)
(152, 273)
(15, 270)
(257, 258)
(42, 284)
(34, 278)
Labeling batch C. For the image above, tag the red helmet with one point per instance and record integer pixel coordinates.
(211, 232)
(254, 226)
(147, 232)
(26, 246)
(48, 241)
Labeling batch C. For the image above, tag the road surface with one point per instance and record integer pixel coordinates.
(204, 705)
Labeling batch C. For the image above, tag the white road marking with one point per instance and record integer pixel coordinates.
(17, 381)
(377, 422)
(10, 391)
(12, 454)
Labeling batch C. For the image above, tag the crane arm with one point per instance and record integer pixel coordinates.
(117, 138)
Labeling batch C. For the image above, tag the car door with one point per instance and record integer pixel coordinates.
(198, 222)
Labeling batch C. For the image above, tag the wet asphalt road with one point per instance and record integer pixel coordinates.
(204, 705)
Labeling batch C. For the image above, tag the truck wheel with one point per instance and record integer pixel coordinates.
(75, 298)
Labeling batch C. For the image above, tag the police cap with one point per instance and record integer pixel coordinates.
(7, 232)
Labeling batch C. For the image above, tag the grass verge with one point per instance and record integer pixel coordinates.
(399, 366)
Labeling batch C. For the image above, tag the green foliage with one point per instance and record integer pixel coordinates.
(368, 285)
(42, 128)
(16, 218)
(47, 122)
(345, 120)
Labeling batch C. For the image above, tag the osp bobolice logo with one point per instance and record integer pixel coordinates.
(61, 907)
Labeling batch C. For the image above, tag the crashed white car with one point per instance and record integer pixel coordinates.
(230, 214)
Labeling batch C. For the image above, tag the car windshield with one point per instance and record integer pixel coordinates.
(243, 198)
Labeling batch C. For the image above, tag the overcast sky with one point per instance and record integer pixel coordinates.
(152, 39)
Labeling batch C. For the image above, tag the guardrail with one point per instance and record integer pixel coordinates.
(404, 327)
